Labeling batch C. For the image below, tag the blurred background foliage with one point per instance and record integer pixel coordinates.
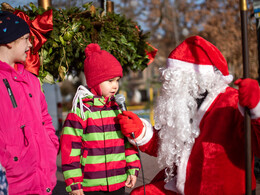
(218, 21)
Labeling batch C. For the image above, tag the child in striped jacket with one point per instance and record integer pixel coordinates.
(96, 157)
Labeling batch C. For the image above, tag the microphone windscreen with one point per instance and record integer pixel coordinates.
(120, 99)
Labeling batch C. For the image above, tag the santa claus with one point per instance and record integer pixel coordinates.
(198, 135)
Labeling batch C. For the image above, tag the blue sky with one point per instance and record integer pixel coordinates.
(16, 3)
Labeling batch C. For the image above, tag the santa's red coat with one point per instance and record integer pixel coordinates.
(216, 163)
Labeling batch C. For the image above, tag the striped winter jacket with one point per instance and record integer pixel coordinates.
(95, 154)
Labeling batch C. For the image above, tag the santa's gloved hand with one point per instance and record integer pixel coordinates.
(130, 123)
(249, 93)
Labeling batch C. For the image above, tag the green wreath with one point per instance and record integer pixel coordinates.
(75, 28)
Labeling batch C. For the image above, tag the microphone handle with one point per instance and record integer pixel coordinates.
(133, 135)
(123, 108)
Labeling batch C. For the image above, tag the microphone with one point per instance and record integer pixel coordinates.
(120, 100)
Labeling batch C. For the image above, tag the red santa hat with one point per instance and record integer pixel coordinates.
(199, 54)
(100, 66)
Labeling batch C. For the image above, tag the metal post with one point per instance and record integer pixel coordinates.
(44, 3)
(110, 6)
(258, 46)
(107, 6)
(151, 106)
(102, 4)
(256, 4)
(247, 125)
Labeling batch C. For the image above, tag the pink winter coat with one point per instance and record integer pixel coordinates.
(28, 144)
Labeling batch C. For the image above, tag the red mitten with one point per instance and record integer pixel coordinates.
(249, 93)
(130, 123)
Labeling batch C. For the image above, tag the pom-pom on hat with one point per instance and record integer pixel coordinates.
(199, 54)
(12, 27)
(100, 65)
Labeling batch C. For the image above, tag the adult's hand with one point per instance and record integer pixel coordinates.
(249, 93)
(130, 123)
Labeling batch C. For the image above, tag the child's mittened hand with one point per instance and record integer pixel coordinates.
(131, 181)
(249, 93)
(130, 123)
(76, 192)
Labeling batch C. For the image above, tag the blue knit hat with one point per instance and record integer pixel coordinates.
(12, 27)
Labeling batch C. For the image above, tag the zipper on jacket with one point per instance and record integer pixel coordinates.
(25, 140)
(10, 93)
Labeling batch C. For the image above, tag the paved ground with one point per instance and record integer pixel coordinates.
(150, 170)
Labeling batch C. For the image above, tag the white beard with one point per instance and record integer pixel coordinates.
(175, 112)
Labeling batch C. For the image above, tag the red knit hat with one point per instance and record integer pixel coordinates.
(100, 65)
(199, 54)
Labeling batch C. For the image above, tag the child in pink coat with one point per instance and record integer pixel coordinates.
(28, 144)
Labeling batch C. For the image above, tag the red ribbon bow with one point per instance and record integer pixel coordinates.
(40, 25)
(150, 54)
